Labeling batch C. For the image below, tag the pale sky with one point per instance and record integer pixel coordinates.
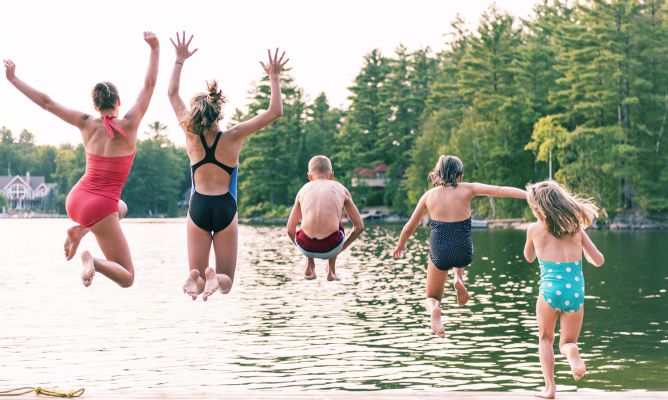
(64, 47)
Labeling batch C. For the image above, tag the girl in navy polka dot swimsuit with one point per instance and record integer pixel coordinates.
(558, 240)
(449, 206)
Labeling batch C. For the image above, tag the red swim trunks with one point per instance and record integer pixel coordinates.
(320, 245)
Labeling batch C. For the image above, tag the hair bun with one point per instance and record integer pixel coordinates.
(215, 95)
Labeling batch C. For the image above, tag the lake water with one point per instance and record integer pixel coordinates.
(277, 331)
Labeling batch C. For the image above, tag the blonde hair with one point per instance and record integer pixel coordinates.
(446, 171)
(562, 212)
(205, 110)
(320, 164)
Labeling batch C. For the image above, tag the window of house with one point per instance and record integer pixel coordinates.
(17, 192)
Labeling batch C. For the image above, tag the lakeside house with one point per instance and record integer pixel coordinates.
(370, 177)
(26, 192)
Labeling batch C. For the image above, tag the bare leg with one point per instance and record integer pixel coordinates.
(309, 273)
(571, 323)
(118, 266)
(547, 319)
(225, 245)
(199, 248)
(463, 295)
(331, 270)
(194, 285)
(435, 281)
(76, 233)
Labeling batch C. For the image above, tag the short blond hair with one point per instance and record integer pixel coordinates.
(320, 164)
(562, 212)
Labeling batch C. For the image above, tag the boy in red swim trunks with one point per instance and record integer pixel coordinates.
(319, 206)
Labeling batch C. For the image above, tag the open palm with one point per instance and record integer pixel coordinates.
(275, 64)
(181, 47)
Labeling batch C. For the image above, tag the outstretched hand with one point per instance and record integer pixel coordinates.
(10, 69)
(398, 251)
(275, 64)
(181, 46)
(151, 39)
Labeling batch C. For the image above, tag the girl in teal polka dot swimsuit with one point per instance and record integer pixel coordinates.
(558, 240)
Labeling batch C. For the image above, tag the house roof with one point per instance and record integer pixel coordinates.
(362, 171)
(35, 181)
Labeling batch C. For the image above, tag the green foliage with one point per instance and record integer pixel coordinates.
(547, 135)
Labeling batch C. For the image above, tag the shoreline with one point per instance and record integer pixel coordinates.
(506, 223)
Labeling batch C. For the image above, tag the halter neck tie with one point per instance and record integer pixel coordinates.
(110, 127)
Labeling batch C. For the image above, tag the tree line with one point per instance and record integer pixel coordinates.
(583, 87)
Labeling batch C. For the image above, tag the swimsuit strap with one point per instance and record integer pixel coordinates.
(110, 127)
(210, 156)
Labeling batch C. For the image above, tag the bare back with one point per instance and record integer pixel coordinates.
(550, 248)
(450, 204)
(97, 141)
(210, 179)
(321, 202)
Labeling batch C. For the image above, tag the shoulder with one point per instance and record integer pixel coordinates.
(340, 185)
(469, 186)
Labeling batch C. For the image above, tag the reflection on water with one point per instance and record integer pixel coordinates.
(276, 331)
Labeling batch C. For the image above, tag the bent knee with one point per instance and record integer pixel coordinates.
(546, 336)
(127, 282)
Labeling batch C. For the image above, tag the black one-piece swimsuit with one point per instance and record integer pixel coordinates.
(213, 213)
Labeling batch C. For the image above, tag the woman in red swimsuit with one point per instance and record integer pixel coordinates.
(94, 202)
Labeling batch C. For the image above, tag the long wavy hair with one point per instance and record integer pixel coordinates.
(562, 212)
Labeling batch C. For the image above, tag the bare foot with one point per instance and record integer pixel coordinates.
(332, 277)
(88, 268)
(224, 283)
(309, 273)
(572, 353)
(74, 235)
(436, 323)
(211, 283)
(192, 287)
(463, 295)
(547, 393)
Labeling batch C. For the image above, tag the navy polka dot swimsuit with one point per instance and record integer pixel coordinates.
(450, 244)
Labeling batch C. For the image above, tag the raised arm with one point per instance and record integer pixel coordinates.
(529, 249)
(355, 218)
(273, 69)
(593, 255)
(182, 54)
(411, 226)
(481, 189)
(295, 216)
(137, 111)
(70, 116)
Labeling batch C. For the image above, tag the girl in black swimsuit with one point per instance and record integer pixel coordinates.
(212, 214)
(450, 247)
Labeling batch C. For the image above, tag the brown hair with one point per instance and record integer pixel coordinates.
(562, 212)
(446, 171)
(105, 96)
(320, 164)
(205, 110)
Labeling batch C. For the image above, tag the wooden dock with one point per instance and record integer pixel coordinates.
(368, 395)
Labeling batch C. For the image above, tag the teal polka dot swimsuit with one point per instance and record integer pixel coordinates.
(562, 284)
